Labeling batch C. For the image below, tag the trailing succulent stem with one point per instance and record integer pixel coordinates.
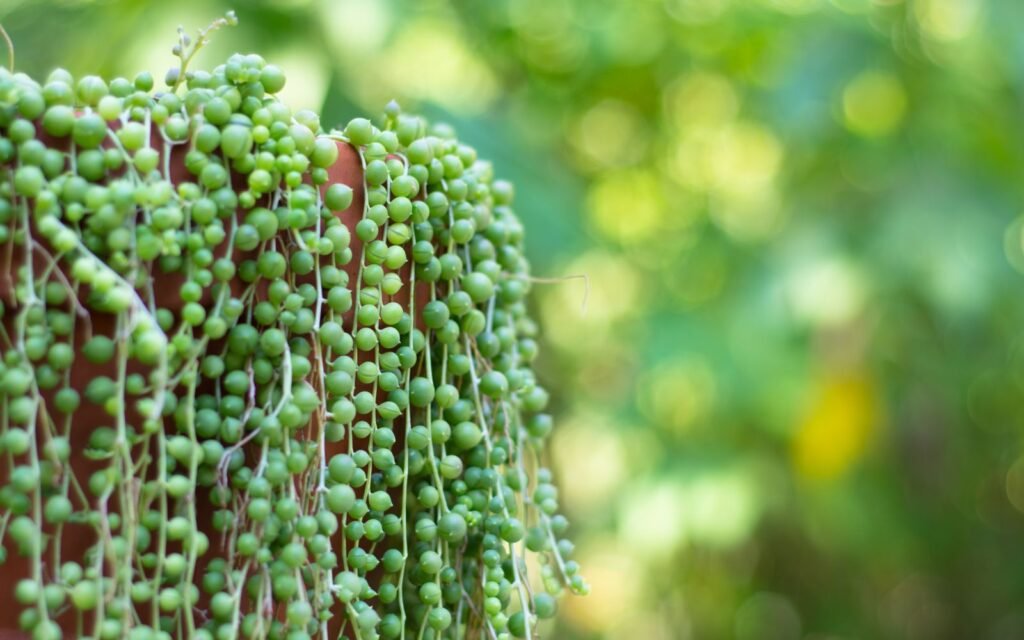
(309, 407)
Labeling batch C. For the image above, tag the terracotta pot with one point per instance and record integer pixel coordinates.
(76, 539)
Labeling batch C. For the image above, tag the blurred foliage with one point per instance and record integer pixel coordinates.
(791, 407)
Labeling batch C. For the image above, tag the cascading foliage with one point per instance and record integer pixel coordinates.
(358, 414)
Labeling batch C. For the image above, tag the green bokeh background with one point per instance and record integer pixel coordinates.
(789, 390)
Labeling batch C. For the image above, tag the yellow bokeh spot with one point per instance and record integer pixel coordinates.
(615, 586)
(748, 216)
(700, 100)
(589, 481)
(355, 26)
(446, 70)
(678, 395)
(608, 134)
(723, 506)
(746, 158)
(549, 37)
(689, 165)
(654, 517)
(717, 507)
(836, 429)
(947, 20)
(741, 157)
(735, 165)
(827, 292)
(307, 79)
(874, 104)
(628, 206)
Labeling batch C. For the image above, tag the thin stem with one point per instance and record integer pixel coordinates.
(204, 37)
(10, 48)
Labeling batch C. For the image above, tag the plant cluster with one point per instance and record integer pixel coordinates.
(354, 402)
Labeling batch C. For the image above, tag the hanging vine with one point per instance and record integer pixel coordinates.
(319, 416)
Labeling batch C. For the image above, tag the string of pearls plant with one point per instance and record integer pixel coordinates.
(359, 414)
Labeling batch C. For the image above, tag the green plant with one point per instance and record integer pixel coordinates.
(359, 414)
